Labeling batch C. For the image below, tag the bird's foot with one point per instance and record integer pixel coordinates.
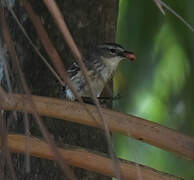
(102, 100)
(117, 97)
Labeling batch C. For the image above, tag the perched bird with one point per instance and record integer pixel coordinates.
(101, 62)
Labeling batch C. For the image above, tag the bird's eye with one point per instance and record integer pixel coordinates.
(113, 51)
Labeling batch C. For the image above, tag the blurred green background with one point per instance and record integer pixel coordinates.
(159, 85)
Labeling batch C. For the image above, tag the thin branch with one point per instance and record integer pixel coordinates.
(35, 48)
(27, 142)
(8, 81)
(161, 3)
(160, 7)
(3, 95)
(5, 149)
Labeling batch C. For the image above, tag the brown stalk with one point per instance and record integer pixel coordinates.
(7, 77)
(67, 36)
(35, 48)
(50, 49)
(15, 61)
(86, 159)
(5, 149)
(58, 18)
(27, 144)
(138, 128)
(3, 95)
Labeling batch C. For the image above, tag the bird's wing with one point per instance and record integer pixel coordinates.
(73, 69)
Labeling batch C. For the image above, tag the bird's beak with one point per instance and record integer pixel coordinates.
(129, 55)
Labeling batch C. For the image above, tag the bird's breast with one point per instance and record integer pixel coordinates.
(99, 76)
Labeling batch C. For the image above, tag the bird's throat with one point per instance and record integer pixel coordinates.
(112, 63)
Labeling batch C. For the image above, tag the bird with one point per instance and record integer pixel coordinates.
(101, 63)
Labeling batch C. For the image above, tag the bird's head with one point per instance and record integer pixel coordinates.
(115, 52)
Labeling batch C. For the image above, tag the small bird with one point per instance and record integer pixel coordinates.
(101, 63)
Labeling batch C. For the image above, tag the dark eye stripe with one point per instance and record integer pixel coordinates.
(113, 50)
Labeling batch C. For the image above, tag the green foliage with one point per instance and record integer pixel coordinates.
(159, 85)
